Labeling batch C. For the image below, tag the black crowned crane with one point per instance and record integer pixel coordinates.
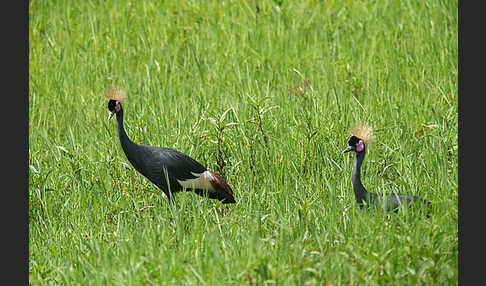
(170, 170)
(361, 136)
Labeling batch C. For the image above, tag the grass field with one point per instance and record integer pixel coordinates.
(281, 84)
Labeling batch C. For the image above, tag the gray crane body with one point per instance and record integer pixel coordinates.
(389, 202)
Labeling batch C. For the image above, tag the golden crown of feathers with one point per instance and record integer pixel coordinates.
(363, 132)
(115, 93)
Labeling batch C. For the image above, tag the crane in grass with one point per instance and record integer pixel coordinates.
(170, 170)
(361, 137)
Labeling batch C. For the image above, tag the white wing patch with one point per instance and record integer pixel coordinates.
(203, 181)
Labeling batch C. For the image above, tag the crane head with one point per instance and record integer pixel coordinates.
(114, 95)
(361, 136)
(355, 144)
(114, 106)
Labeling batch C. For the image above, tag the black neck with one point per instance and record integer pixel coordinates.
(127, 144)
(359, 190)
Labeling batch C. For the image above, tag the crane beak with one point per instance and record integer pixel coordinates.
(111, 114)
(350, 148)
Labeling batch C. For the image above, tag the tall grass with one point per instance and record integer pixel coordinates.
(317, 66)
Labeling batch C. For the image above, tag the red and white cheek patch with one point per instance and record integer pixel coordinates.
(117, 107)
(360, 146)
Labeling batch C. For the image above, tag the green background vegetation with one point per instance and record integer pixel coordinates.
(280, 84)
